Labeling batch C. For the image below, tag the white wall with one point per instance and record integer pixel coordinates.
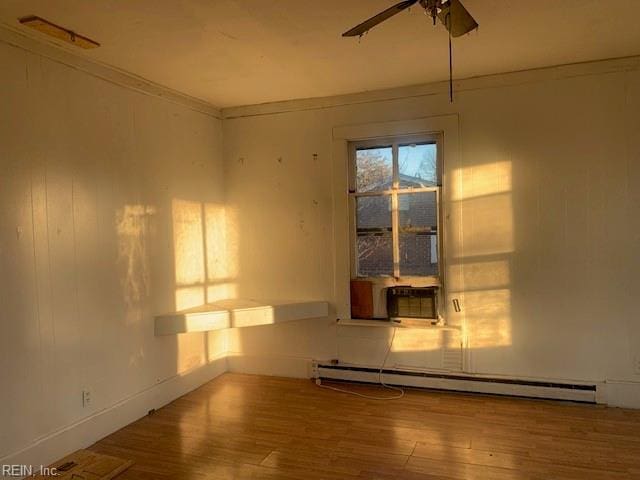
(108, 199)
(113, 208)
(546, 189)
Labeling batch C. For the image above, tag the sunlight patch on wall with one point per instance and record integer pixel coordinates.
(481, 180)
(192, 351)
(205, 270)
(412, 340)
(480, 267)
(487, 275)
(488, 226)
(455, 245)
(205, 253)
(133, 227)
(216, 345)
(488, 313)
(221, 291)
(221, 252)
(188, 297)
(222, 256)
(482, 206)
(188, 243)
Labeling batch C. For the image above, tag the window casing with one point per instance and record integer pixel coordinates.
(395, 208)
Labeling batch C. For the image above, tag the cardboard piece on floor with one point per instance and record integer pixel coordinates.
(86, 465)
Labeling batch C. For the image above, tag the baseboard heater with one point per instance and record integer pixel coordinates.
(460, 383)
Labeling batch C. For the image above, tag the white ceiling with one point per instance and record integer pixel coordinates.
(239, 52)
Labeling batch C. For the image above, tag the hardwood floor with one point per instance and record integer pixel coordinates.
(253, 427)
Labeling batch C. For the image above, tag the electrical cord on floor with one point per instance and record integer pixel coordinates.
(371, 397)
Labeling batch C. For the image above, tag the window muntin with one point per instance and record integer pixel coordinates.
(395, 192)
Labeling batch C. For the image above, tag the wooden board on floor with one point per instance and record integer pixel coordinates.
(86, 465)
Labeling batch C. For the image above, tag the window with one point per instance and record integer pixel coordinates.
(395, 209)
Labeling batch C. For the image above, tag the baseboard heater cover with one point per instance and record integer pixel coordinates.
(460, 383)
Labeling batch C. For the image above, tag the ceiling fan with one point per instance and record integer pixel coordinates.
(451, 13)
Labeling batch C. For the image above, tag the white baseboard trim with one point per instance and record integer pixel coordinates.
(623, 394)
(89, 430)
(466, 384)
(272, 365)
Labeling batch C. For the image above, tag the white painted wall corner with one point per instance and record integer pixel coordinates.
(89, 430)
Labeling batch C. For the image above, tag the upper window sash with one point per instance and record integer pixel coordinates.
(394, 144)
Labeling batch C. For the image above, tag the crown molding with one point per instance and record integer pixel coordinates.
(62, 54)
(439, 88)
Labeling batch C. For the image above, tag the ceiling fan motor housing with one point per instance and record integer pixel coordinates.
(432, 7)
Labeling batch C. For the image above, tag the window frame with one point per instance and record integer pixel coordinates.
(395, 142)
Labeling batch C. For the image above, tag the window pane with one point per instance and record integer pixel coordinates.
(418, 254)
(375, 255)
(374, 169)
(418, 234)
(417, 211)
(374, 241)
(417, 165)
(373, 212)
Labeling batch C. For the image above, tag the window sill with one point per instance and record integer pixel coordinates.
(415, 324)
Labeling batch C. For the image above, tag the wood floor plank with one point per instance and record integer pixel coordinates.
(254, 427)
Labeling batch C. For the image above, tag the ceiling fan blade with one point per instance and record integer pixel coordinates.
(379, 18)
(456, 18)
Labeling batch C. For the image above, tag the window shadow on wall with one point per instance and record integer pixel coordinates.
(205, 268)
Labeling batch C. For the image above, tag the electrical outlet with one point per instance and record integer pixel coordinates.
(86, 398)
(636, 365)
